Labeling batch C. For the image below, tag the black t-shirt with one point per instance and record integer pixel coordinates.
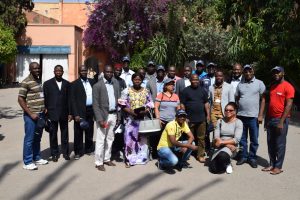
(194, 99)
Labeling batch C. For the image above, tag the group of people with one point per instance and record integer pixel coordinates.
(192, 110)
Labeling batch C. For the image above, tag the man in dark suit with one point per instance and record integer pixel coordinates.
(82, 111)
(106, 93)
(185, 81)
(155, 86)
(56, 94)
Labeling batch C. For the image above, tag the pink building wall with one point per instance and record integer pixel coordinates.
(57, 35)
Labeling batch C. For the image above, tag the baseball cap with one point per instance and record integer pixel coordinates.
(200, 62)
(160, 67)
(125, 58)
(248, 67)
(180, 112)
(211, 64)
(169, 80)
(151, 63)
(278, 68)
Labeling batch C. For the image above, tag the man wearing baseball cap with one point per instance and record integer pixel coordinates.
(126, 72)
(250, 96)
(150, 71)
(169, 143)
(156, 85)
(281, 94)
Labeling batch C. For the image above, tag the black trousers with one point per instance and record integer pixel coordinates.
(63, 124)
(219, 163)
(89, 133)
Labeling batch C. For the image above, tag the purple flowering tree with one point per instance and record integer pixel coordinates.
(116, 26)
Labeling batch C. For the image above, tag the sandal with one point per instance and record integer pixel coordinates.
(267, 169)
(276, 171)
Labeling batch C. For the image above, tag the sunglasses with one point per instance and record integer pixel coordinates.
(227, 110)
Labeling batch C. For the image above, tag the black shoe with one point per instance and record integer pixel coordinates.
(77, 157)
(54, 158)
(241, 161)
(66, 157)
(90, 153)
(253, 163)
(178, 167)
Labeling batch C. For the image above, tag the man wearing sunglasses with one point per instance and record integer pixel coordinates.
(170, 144)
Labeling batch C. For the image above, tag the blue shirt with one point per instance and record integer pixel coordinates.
(111, 94)
(88, 91)
(159, 86)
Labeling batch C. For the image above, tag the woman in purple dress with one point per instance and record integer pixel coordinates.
(136, 101)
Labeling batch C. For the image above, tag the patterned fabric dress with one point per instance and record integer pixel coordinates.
(136, 148)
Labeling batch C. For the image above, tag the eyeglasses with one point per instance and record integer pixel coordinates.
(226, 110)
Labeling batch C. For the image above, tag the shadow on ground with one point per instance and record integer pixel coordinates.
(48, 181)
(10, 113)
(6, 169)
(127, 191)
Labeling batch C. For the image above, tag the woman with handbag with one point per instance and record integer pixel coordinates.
(228, 133)
(165, 107)
(136, 103)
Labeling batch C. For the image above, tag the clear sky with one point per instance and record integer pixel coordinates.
(66, 1)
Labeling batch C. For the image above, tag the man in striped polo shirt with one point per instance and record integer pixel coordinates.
(31, 99)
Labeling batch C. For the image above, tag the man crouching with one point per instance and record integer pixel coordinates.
(170, 144)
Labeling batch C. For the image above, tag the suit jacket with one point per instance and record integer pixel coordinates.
(227, 95)
(57, 101)
(180, 85)
(151, 86)
(78, 97)
(101, 100)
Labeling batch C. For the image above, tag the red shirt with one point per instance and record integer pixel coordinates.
(279, 93)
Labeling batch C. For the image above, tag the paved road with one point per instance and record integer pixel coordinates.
(80, 180)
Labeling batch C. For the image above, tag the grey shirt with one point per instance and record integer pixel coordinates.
(228, 131)
(248, 95)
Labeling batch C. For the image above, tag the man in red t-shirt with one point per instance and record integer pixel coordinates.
(281, 99)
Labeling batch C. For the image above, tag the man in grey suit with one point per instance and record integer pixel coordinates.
(156, 85)
(185, 81)
(106, 93)
(220, 93)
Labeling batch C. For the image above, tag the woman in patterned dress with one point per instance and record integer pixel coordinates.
(136, 101)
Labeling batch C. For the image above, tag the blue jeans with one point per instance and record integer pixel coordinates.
(167, 157)
(249, 124)
(276, 139)
(31, 145)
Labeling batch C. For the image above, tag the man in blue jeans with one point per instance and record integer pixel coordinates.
(169, 144)
(281, 95)
(250, 96)
(31, 99)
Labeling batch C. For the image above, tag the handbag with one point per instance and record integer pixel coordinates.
(149, 125)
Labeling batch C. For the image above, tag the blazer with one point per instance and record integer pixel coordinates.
(179, 86)
(78, 98)
(57, 101)
(151, 86)
(101, 100)
(227, 95)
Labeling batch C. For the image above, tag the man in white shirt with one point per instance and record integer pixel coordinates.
(126, 72)
(236, 76)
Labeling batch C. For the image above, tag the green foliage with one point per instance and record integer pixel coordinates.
(8, 46)
(12, 14)
(158, 49)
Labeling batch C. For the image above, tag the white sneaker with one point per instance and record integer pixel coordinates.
(229, 169)
(41, 162)
(30, 166)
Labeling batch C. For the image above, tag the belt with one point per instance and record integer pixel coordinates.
(112, 112)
